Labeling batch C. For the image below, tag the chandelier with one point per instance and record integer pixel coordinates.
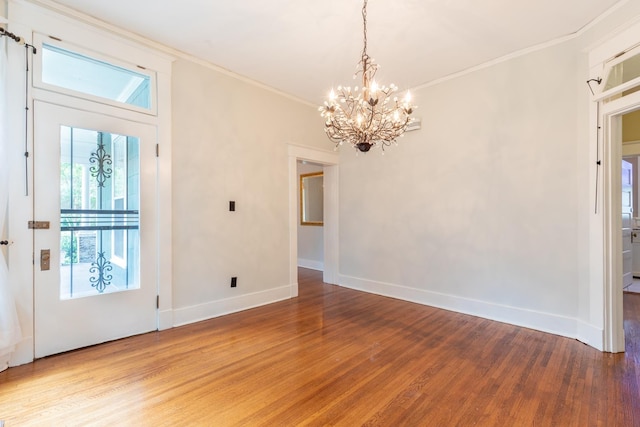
(367, 116)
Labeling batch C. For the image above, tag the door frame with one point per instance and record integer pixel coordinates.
(27, 18)
(601, 320)
(329, 161)
(611, 118)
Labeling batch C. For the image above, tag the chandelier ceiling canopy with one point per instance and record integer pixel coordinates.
(367, 116)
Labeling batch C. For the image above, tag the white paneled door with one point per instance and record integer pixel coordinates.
(95, 235)
(627, 223)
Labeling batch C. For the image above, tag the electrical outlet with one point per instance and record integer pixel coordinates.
(234, 282)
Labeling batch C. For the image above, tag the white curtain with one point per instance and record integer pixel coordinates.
(10, 333)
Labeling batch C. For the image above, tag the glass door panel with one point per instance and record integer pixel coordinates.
(99, 212)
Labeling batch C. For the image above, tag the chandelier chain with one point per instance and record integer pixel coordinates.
(364, 26)
(366, 60)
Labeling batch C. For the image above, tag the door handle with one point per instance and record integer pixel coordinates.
(45, 258)
(4, 242)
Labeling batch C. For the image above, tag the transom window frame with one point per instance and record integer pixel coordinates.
(608, 66)
(40, 39)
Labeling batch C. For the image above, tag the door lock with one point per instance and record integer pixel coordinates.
(38, 225)
(45, 258)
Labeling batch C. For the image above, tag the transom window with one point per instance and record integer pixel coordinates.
(63, 68)
(621, 75)
(623, 71)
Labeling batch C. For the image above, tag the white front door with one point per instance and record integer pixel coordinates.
(627, 223)
(95, 265)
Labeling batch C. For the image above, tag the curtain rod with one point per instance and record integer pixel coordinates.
(17, 39)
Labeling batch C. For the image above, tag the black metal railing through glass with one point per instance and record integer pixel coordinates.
(103, 233)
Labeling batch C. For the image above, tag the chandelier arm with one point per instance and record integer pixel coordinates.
(371, 116)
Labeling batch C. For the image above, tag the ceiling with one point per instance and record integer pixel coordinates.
(303, 47)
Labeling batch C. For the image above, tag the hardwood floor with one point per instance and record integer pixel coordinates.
(333, 356)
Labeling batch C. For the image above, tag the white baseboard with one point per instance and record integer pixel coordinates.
(545, 322)
(211, 309)
(590, 335)
(311, 264)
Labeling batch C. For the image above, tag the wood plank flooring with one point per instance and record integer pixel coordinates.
(333, 356)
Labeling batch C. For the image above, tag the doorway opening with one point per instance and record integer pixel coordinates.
(329, 163)
(631, 155)
(310, 214)
(630, 132)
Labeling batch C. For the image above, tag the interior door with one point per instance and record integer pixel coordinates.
(95, 263)
(627, 223)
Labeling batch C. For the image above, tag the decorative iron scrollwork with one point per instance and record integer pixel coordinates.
(101, 161)
(102, 267)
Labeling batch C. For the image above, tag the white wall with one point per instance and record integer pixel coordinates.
(230, 143)
(310, 237)
(480, 204)
(485, 210)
